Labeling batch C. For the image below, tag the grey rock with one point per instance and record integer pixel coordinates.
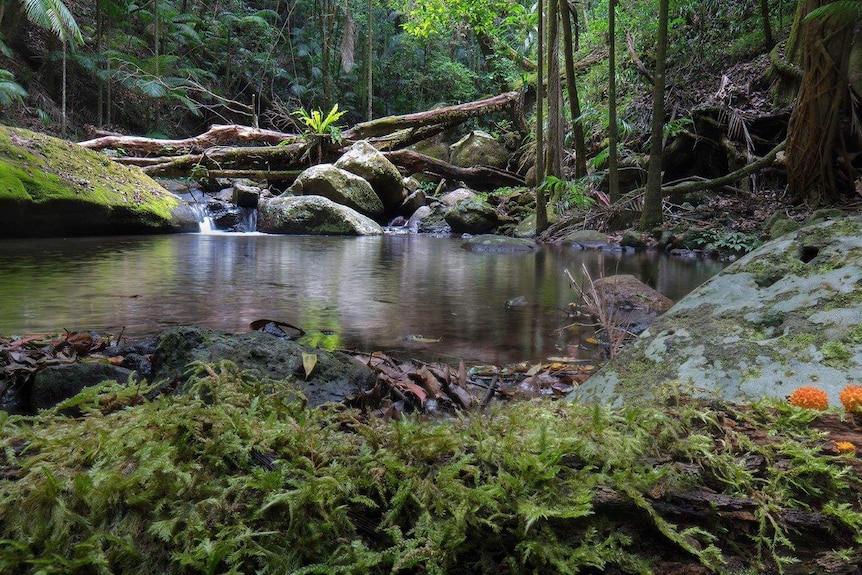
(57, 383)
(367, 162)
(587, 239)
(277, 361)
(314, 215)
(340, 186)
(478, 149)
(784, 316)
(472, 217)
(499, 244)
(455, 196)
(245, 196)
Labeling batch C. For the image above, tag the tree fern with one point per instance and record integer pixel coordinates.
(840, 12)
(53, 15)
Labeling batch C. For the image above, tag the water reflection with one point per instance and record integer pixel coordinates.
(371, 293)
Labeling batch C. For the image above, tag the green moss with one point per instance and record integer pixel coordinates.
(835, 354)
(855, 335)
(42, 170)
(230, 477)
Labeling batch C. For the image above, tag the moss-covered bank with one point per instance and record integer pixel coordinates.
(231, 478)
(51, 187)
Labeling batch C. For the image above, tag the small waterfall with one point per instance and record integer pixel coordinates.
(249, 219)
(205, 222)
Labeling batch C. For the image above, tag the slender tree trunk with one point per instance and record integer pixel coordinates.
(767, 25)
(652, 212)
(572, 88)
(541, 201)
(63, 106)
(370, 62)
(100, 93)
(555, 108)
(613, 168)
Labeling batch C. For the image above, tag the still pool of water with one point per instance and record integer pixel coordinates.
(367, 293)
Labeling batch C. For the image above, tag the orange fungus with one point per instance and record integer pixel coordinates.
(851, 398)
(809, 397)
(845, 447)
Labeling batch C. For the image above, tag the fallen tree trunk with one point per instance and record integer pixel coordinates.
(479, 177)
(217, 135)
(447, 116)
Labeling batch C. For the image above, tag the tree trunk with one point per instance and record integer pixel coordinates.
(541, 200)
(572, 88)
(369, 62)
(767, 25)
(813, 134)
(652, 212)
(613, 167)
(555, 108)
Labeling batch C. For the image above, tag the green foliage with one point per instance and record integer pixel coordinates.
(839, 12)
(235, 475)
(10, 91)
(729, 240)
(55, 16)
(566, 195)
(319, 125)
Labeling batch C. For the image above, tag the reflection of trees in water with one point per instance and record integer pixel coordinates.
(371, 292)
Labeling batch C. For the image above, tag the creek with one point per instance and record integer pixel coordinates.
(421, 295)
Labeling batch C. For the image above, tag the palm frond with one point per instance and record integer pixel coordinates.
(53, 15)
(840, 12)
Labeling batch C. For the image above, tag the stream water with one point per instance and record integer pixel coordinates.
(390, 293)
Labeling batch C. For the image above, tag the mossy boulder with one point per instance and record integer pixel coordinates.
(786, 315)
(278, 361)
(340, 186)
(472, 216)
(370, 164)
(478, 149)
(51, 187)
(313, 215)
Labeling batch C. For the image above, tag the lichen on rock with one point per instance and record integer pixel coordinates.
(780, 318)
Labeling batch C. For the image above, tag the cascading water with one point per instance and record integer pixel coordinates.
(205, 221)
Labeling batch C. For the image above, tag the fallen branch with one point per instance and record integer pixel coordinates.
(217, 135)
(479, 177)
(630, 40)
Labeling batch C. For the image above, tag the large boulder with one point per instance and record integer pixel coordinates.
(314, 215)
(787, 315)
(472, 216)
(57, 383)
(340, 186)
(478, 149)
(51, 187)
(279, 361)
(367, 162)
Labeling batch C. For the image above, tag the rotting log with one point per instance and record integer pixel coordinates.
(448, 116)
(217, 135)
(478, 177)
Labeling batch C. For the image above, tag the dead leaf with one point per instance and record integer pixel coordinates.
(309, 360)
(415, 390)
(460, 395)
(427, 380)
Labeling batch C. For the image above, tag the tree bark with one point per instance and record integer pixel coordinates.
(215, 136)
(572, 88)
(449, 116)
(541, 200)
(813, 133)
(652, 212)
(613, 161)
(478, 177)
